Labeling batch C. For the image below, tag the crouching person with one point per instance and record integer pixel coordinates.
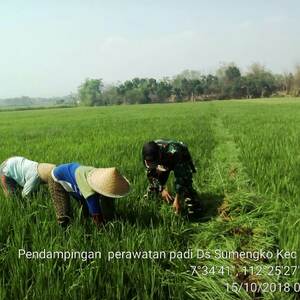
(94, 188)
(160, 157)
(21, 173)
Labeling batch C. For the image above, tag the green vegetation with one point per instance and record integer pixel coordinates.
(246, 153)
(29, 102)
(90, 92)
(227, 83)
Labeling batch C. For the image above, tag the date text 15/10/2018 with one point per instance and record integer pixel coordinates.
(264, 287)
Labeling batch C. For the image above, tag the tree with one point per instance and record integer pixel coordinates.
(211, 86)
(288, 82)
(187, 85)
(163, 91)
(260, 82)
(90, 92)
(230, 82)
(136, 95)
(232, 73)
(189, 75)
(111, 96)
(296, 82)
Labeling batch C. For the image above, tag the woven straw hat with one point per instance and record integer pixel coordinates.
(108, 182)
(44, 171)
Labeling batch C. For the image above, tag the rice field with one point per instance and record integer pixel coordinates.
(247, 159)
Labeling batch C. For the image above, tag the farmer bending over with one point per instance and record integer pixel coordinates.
(19, 172)
(93, 188)
(160, 157)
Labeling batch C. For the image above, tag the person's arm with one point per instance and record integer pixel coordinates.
(157, 181)
(30, 185)
(7, 189)
(154, 183)
(94, 209)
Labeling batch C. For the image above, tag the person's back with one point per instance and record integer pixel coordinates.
(174, 152)
(20, 171)
(94, 188)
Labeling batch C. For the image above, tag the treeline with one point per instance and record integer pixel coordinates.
(227, 83)
(29, 102)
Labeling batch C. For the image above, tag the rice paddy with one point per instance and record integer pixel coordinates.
(247, 159)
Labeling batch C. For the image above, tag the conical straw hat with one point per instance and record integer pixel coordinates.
(44, 171)
(108, 182)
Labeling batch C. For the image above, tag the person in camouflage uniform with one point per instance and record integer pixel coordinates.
(160, 157)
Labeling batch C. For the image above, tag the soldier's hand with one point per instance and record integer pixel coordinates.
(166, 196)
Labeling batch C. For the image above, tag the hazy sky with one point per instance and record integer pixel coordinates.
(49, 47)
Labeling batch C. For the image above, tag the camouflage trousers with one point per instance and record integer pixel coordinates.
(192, 203)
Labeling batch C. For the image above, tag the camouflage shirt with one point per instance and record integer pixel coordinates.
(174, 156)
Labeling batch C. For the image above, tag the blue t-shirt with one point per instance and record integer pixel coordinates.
(65, 175)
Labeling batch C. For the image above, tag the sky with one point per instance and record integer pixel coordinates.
(48, 48)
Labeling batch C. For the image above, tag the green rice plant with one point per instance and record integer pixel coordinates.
(248, 182)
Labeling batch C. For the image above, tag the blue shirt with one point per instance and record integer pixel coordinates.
(65, 175)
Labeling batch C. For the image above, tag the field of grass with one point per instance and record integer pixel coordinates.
(248, 162)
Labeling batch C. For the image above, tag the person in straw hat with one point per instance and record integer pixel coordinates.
(19, 172)
(94, 188)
